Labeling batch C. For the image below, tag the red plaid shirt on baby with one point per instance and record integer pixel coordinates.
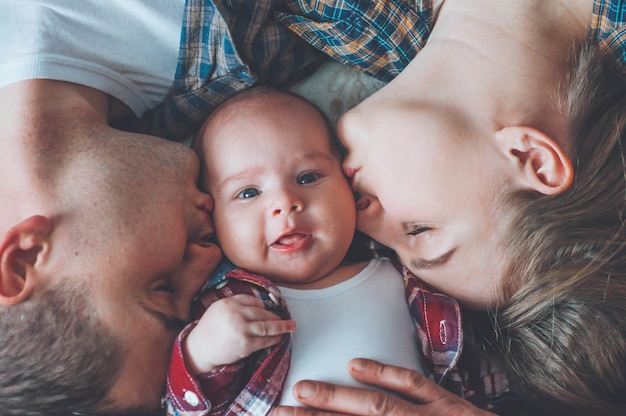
(253, 386)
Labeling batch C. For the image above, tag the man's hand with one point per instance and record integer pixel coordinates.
(231, 329)
(415, 395)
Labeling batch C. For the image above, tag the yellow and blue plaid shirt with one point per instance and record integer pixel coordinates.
(380, 37)
(230, 45)
(608, 27)
(226, 47)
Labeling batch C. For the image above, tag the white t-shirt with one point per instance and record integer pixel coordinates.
(126, 48)
(366, 316)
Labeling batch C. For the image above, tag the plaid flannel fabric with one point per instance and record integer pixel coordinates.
(229, 45)
(250, 387)
(226, 46)
(380, 37)
(253, 387)
(608, 27)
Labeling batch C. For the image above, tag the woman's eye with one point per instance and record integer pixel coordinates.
(418, 229)
(248, 193)
(307, 178)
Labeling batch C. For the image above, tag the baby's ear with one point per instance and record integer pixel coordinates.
(539, 162)
(23, 250)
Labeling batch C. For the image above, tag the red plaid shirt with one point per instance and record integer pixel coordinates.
(254, 386)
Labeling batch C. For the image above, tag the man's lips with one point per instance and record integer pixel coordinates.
(292, 241)
(361, 202)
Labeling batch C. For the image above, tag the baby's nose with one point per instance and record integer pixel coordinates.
(287, 203)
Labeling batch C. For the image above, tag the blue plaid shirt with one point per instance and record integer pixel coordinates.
(229, 45)
(608, 27)
(226, 47)
(380, 37)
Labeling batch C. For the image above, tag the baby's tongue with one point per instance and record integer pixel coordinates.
(290, 239)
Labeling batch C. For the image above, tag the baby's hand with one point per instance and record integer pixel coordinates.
(232, 329)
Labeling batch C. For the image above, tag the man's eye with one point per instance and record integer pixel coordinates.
(418, 229)
(166, 287)
(248, 193)
(307, 178)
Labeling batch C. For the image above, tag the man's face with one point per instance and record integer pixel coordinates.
(143, 247)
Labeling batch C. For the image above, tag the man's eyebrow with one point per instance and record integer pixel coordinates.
(170, 323)
(425, 264)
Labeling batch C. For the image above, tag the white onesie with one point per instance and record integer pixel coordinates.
(365, 316)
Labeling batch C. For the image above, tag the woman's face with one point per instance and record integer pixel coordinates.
(429, 187)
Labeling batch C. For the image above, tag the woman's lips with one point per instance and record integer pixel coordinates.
(349, 172)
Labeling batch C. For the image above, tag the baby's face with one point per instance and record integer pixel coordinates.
(283, 207)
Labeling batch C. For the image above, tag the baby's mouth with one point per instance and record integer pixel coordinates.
(291, 241)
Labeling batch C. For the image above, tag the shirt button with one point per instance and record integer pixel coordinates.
(191, 398)
(273, 298)
(221, 284)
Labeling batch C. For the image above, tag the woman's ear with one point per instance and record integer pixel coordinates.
(22, 252)
(540, 163)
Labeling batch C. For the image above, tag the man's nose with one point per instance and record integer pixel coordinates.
(204, 201)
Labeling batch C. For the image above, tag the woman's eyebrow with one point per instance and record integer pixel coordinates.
(425, 264)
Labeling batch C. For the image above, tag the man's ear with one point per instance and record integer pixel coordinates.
(22, 252)
(540, 163)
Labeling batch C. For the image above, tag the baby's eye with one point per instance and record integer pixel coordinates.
(248, 193)
(307, 178)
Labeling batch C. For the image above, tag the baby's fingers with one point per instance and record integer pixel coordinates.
(264, 334)
(271, 328)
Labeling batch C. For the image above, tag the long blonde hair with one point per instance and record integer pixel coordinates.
(563, 327)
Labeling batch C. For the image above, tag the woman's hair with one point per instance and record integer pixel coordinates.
(56, 357)
(563, 326)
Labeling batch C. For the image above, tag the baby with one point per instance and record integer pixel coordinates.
(285, 217)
